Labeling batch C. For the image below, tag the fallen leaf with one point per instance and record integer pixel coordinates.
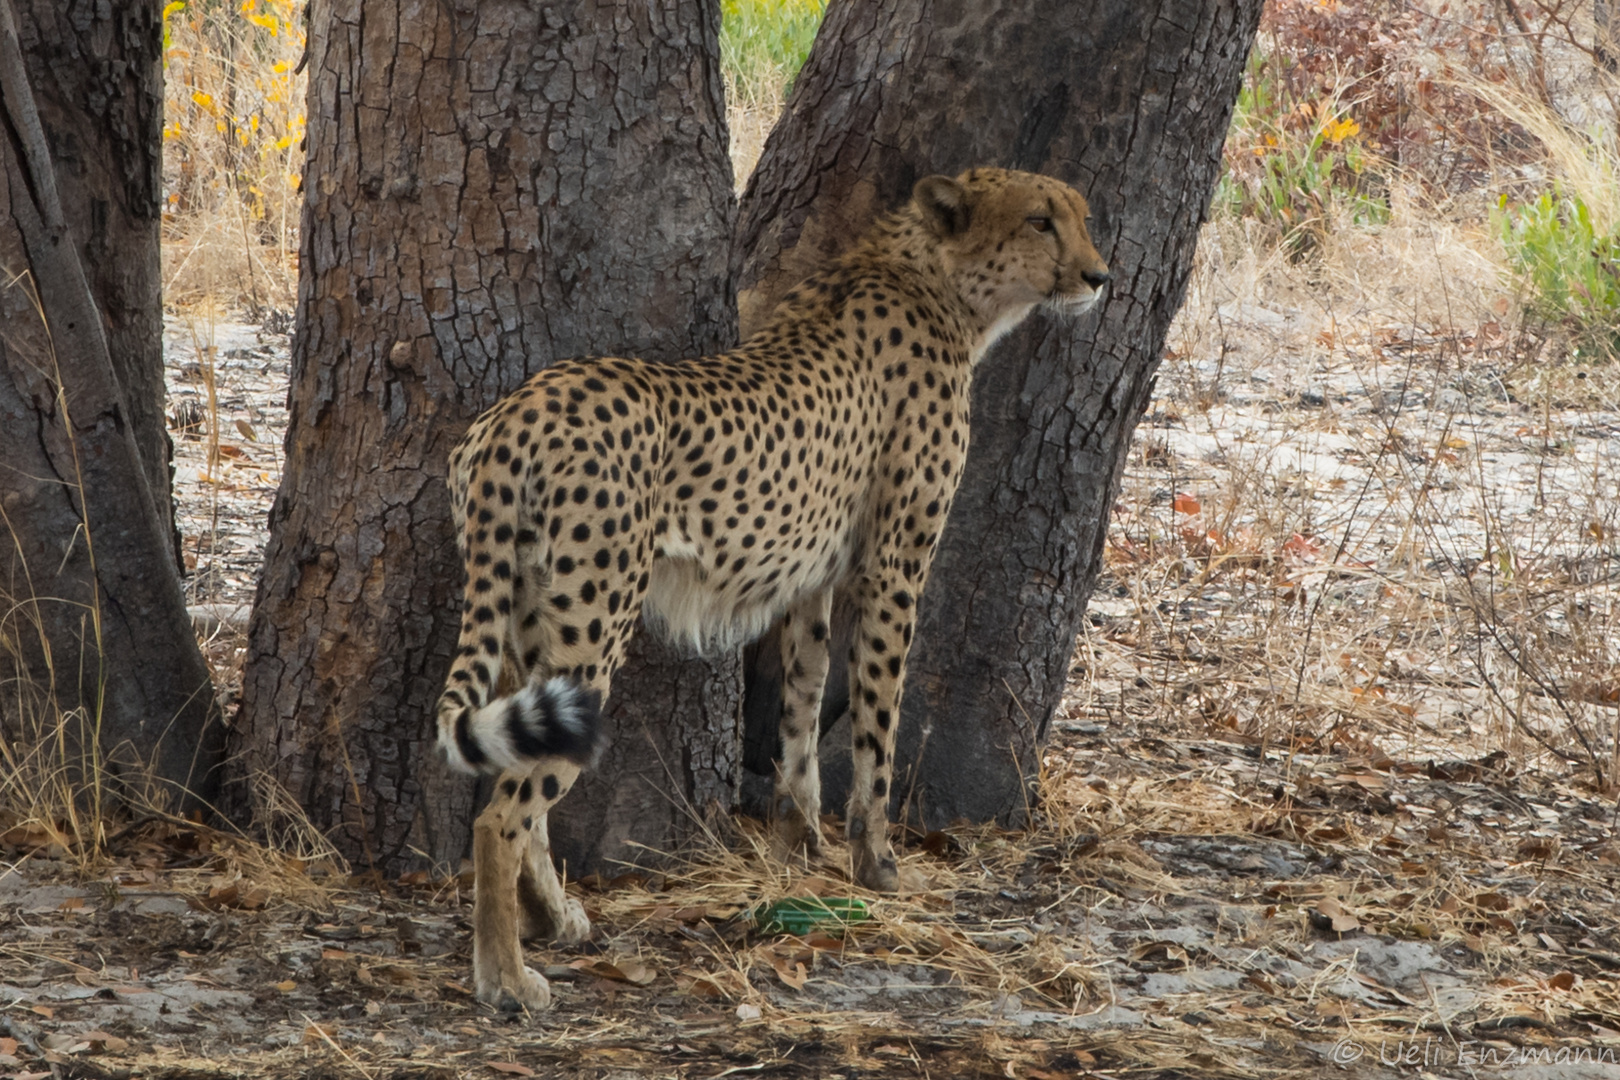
(254, 899)
(629, 971)
(510, 1068)
(699, 984)
(8, 1046)
(1186, 504)
(286, 987)
(33, 836)
(320, 1033)
(101, 1040)
(1331, 916)
(747, 1011)
(794, 975)
(1160, 952)
(43, 1010)
(247, 431)
(72, 903)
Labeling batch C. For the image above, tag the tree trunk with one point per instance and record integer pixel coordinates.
(491, 186)
(1128, 101)
(95, 617)
(97, 77)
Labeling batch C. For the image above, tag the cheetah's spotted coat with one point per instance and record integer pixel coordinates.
(716, 495)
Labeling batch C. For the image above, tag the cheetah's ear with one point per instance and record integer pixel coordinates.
(943, 203)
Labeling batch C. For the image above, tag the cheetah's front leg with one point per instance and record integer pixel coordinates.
(877, 671)
(804, 675)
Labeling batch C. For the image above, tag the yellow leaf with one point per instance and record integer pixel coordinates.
(205, 101)
(1336, 131)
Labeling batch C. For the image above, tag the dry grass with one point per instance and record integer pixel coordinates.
(233, 152)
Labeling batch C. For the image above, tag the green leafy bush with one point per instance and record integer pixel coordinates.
(1570, 266)
(1296, 165)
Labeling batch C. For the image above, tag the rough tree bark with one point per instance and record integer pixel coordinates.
(1130, 102)
(492, 185)
(97, 76)
(84, 494)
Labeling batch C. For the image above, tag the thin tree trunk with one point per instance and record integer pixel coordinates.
(96, 624)
(97, 75)
(491, 186)
(1130, 102)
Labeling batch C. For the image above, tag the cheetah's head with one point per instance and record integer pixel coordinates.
(1012, 241)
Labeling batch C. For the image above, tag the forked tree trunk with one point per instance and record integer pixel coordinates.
(95, 624)
(1127, 100)
(492, 185)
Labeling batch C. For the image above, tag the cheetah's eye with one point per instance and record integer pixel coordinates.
(1040, 224)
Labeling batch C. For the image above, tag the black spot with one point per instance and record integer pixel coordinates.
(510, 787)
(526, 792)
(548, 787)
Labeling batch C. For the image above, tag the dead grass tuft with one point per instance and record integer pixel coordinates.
(233, 152)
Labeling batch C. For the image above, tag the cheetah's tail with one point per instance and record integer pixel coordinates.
(556, 718)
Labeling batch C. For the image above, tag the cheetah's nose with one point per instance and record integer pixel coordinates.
(1095, 278)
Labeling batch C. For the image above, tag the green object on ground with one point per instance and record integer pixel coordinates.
(802, 914)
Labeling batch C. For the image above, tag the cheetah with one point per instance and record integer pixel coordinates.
(712, 497)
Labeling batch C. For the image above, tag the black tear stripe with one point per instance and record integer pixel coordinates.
(471, 752)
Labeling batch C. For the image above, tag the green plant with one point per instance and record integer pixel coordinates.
(764, 43)
(1570, 265)
(1297, 166)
